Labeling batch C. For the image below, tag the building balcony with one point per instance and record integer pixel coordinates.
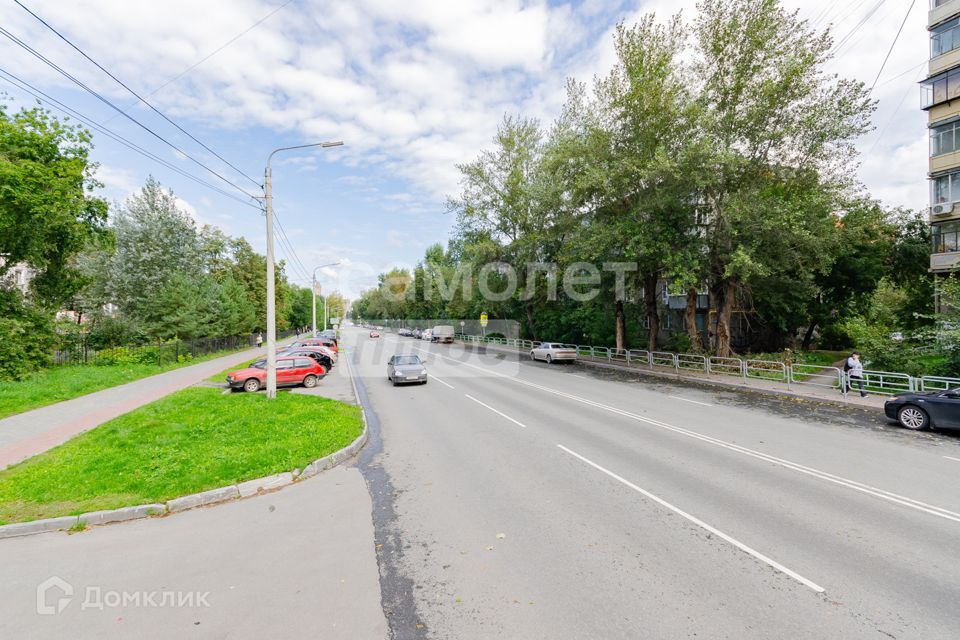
(940, 10)
(944, 262)
(946, 61)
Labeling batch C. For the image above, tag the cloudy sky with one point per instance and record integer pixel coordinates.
(412, 88)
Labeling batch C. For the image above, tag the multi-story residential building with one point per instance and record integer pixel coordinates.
(941, 101)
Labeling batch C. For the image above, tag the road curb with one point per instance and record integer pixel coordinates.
(723, 384)
(248, 488)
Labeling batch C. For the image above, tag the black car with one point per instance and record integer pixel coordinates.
(316, 355)
(920, 411)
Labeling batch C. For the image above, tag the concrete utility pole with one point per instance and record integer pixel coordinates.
(314, 308)
(271, 285)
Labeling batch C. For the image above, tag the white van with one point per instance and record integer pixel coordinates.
(443, 333)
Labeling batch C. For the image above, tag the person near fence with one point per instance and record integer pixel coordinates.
(259, 340)
(854, 370)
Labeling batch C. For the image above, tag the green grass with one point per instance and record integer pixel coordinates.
(222, 376)
(70, 381)
(190, 441)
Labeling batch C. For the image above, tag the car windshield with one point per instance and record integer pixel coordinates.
(406, 360)
(259, 364)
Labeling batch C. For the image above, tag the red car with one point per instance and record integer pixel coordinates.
(291, 371)
(319, 342)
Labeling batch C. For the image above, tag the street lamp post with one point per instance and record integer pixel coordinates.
(271, 285)
(314, 309)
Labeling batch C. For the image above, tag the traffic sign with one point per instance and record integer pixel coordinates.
(483, 319)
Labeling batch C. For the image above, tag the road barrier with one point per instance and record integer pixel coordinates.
(803, 375)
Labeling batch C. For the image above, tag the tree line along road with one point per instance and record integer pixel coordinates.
(536, 501)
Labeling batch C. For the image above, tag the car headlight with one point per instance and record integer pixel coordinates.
(893, 399)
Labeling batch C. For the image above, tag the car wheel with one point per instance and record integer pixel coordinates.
(252, 385)
(394, 382)
(913, 418)
(424, 382)
(533, 357)
(549, 359)
(310, 381)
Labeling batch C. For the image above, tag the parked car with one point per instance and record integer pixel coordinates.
(553, 352)
(330, 353)
(426, 334)
(374, 334)
(919, 411)
(318, 342)
(403, 368)
(291, 371)
(443, 333)
(416, 333)
(330, 334)
(316, 354)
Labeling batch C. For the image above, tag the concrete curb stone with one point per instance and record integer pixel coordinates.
(204, 498)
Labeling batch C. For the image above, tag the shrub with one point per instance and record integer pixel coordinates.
(835, 337)
(26, 337)
(127, 355)
(679, 342)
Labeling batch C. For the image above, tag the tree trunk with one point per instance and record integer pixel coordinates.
(690, 317)
(724, 295)
(533, 335)
(620, 330)
(652, 314)
(808, 336)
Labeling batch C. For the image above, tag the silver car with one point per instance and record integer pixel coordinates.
(404, 368)
(553, 352)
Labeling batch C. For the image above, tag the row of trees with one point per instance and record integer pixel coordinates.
(716, 156)
(144, 273)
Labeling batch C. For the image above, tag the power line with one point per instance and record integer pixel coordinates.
(893, 44)
(137, 95)
(857, 27)
(41, 96)
(107, 102)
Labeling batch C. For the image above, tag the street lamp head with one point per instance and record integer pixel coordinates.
(336, 143)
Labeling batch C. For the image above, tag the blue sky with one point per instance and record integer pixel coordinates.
(412, 88)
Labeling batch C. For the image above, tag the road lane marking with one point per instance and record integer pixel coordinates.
(499, 413)
(952, 458)
(703, 404)
(700, 523)
(433, 377)
(794, 466)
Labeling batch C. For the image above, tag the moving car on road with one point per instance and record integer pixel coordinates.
(403, 368)
(918, 411)
(443, 333)
(553, 352)
(291, 371)
(374, 334)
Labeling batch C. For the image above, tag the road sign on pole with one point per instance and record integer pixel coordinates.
(483, 319)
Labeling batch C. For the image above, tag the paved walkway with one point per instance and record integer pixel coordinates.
(27, 434)
(815, 388)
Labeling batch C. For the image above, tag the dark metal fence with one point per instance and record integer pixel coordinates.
(158, 353)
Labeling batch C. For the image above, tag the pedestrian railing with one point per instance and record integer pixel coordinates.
(937, 383)
(816, 376)
(725, 366)
(765, 370)
(802, 375)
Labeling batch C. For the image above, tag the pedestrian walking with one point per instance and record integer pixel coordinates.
(259, 340)
(854, 370)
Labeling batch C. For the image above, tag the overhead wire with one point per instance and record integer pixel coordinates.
(893, 44)
(134, 93)
(857, 27)
(43, 97)
(110, 104)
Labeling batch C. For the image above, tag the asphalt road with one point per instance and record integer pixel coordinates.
(538, 501)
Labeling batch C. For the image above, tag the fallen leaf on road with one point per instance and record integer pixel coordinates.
(489, 547)
(501, 536)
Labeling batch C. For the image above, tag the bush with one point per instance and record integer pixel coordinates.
(679, 343)
(127, 355)
(26, 337)
(835, 337)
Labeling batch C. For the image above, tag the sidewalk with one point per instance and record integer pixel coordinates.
(26, 434)
(807, 391)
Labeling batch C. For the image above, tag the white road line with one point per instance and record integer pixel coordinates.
(433, 377)
(703, 404)
(499, 413)
(703, 525)
(577, 375)
(952, 458)
(816, 473)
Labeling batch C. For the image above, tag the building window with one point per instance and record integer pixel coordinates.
(945, 189)
(944, 138)
(946, 237)
(941, 88)
(945, 38)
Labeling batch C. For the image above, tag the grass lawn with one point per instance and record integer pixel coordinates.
(70, 381)
(222, 376)
(190, 441)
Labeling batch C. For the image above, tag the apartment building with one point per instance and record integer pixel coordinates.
(941, 101)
